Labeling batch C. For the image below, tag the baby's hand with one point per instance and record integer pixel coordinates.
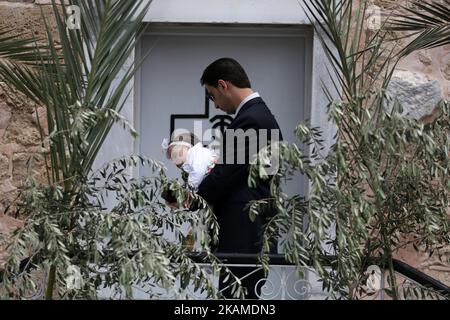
(188, 202)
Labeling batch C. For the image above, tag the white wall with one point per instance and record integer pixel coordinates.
(227, 11)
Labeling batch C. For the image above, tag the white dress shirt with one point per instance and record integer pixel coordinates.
(250, 97)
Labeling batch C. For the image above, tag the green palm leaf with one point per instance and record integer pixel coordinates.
(15, 49)
(429, 22)
(78, 80)
(355, 58)
(83, 86)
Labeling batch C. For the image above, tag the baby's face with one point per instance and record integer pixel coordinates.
(178, 155)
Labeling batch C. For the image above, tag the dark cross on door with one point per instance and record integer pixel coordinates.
(221, 121)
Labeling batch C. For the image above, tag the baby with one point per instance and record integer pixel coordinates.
(188, 153)
(196, 161)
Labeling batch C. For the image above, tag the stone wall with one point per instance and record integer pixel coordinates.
(422, 79)
(19, 134)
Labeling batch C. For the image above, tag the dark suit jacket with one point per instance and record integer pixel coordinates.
(226, 188)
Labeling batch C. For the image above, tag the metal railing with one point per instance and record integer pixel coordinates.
(308, 288)
(282, 283)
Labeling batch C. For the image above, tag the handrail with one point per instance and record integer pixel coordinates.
(420, 277)
(278, 259)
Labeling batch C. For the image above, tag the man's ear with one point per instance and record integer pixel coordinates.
(222, 84)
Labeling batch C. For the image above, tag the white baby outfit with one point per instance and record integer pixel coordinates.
(199, 162)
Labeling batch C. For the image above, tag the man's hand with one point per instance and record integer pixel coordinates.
(186, 204)
(175, 205)
(172, 205)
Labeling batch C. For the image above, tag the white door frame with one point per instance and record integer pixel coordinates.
(225, 31)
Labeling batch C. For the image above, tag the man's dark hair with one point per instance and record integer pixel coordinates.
(226, 69)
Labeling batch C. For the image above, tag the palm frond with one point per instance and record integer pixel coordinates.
(89, 72)
(17, 49)
(428, 22)
(341, 28)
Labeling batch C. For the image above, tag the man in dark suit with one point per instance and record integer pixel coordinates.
(226, 187)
